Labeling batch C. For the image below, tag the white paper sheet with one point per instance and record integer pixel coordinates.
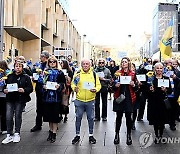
(88, 85)
(169, 73)
(35, 76)
(51, 85)
(65, 71)
(125, 79)
(163, 82)
(141, 77)
(148, 67)
(12, 87)
(100, 74)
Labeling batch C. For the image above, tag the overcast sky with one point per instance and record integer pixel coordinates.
(109, 22)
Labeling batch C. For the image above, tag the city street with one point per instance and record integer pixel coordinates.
(32, 143)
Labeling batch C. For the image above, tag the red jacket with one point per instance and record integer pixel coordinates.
(132, 92)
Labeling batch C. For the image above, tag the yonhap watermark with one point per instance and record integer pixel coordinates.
(146, 139)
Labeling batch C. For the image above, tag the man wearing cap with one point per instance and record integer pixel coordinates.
(39, 87)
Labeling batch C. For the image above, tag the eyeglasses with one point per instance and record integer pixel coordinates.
(52, 61)
(101, 62)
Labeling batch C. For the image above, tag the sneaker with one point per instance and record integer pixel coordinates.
(76, 139)
(92, 140)
(8, 139)
(16, 138)
(4, 132)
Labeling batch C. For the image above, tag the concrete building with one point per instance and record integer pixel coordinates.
(161, 16)
(31, 26)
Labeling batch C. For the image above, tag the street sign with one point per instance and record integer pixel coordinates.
(62, 52)
(121, 54)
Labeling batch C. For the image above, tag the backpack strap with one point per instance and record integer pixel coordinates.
(94, 74)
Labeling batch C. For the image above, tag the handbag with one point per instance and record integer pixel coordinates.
(120, 99)
(167, 103)
(65, 99)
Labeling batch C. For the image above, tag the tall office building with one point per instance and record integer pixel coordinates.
(65, 5)
(33, 26)
(162, 14)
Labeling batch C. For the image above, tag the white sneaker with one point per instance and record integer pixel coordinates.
(16, 138)
(8, 139)
(4, 132)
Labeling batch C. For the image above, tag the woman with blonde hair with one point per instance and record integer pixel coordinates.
(156, 109)
(126, 104)
(52, 97)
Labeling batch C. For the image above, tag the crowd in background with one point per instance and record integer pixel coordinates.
(154, 83)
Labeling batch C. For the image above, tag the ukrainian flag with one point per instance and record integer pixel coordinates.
(166, 42)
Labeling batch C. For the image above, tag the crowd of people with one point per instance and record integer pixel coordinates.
(154, 83)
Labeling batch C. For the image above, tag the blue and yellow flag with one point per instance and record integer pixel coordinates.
(166, 42)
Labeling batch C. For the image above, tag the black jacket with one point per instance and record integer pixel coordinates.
(24, 82)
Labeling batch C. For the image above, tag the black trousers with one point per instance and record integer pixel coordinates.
(104, 104)
(173, 112)
(39, 110)
(142, 104)
(119, 116)
(158, 129)
(3, 113)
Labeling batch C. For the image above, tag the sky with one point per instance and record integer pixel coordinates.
(109, 22)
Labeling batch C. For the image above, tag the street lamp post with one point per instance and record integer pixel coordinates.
(84, 36)
(1, 27)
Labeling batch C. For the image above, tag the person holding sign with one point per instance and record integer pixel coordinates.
(86, 86)
(17, 90)
(53, 81)
(67, 89)
(105, 78)
(157, 92)
(37, 78)
(127, 88)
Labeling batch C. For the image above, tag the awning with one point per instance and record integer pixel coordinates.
(21, 33)
(44, 43)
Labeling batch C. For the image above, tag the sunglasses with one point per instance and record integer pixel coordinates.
(101, 62)
(52, 61)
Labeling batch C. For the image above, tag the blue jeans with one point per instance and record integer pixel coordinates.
(80, 108)
(11, 108)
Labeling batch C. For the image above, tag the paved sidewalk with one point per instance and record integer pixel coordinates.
(35, 143)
